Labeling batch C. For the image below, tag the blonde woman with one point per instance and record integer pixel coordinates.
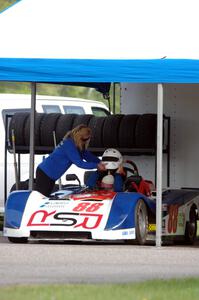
(71, 150)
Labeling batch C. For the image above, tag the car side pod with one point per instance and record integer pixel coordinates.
(130, 212)
(14, 213)
(14, 208)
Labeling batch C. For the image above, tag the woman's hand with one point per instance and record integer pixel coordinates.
(121, 171)
(101, 167)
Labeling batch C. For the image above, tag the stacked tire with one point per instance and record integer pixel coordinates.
(114, 131)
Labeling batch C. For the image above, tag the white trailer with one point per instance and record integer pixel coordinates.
(182, 106)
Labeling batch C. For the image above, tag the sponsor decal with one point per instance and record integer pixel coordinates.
(45, 204)
(125, 233)
(173, 218)
(128, 232)
(152, 227)
(181, 219)
(54, 204)
(84, 220)
(163, 224)
(84, 215)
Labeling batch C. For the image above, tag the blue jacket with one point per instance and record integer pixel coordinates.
(64, 155)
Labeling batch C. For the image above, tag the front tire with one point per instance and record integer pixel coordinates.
(15, 240)
(141, 222)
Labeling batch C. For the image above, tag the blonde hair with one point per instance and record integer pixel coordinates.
(77, 134)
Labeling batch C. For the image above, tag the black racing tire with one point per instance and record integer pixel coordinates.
(38, 120)
(96, 124)
(17, 240)
(110, 131)
(146, 131)
(191, 227)
(64, 124)
(141, 222)
(127, 131)
(17, 123)
(48, 125)
(82, 119)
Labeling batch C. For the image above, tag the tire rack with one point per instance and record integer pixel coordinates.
(151, 151)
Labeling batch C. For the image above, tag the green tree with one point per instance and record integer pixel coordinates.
(6, 3)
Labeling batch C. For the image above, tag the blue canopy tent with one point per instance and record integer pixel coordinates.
(111, 41)
(82, 41)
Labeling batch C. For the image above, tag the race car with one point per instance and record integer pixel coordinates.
(77, 212)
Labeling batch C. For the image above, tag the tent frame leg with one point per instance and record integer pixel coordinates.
(32, 140)
(159, 165)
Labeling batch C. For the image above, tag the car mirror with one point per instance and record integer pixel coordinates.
(72, 177)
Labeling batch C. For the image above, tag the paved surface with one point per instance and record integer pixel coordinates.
(42, 263)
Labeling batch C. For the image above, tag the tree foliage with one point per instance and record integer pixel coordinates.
(6, 3)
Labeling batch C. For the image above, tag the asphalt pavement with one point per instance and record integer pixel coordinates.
(91, 262)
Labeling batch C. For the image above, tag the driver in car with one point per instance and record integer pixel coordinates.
(113, 177)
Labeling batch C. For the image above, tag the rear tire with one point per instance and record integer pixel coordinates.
(141, 222)
(191, 227)
(18, 240)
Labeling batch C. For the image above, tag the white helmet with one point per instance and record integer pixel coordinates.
(112, 158)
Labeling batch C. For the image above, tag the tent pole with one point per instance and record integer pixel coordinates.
(114, 97)
(32, 140)
(159, 164)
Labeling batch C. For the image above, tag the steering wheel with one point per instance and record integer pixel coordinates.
(133, 169)
(134, 177)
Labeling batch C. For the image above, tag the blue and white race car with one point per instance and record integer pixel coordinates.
(79, 213)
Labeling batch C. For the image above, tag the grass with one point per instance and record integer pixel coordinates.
(183, 289)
